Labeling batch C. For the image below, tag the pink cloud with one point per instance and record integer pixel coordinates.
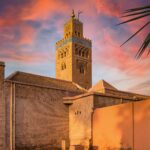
(27, 57)
(109, 8)
(112, 55)
(40, 9)
(106, 45)
(28, 34)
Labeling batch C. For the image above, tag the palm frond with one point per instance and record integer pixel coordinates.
(138, 13)
(133, 19)
(136, 32)
(137, 9)
(144, 46)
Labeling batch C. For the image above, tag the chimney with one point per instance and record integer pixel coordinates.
(2, 107)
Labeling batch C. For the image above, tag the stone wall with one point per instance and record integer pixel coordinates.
(80, 113)
(8, 99)
(2, 107)
(39, 120)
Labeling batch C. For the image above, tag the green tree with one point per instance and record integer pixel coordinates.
(138, 13)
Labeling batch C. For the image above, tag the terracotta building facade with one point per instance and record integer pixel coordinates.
(44, 113)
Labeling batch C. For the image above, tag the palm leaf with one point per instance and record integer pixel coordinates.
(137, 9)
(133, 19)
(144, 46)
(136, 32)
(138, 13)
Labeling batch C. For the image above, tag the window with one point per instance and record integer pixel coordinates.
(87, 54)
(77, 112)
(75, 32)
(79, 34)
(82, 54)
(79, 52)
(66, 35)
(82, 71)
(62, 55)
(76, 51)
(63, 66)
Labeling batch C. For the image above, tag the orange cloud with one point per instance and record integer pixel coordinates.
(42, 9)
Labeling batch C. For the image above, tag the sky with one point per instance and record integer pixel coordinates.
(29, 30)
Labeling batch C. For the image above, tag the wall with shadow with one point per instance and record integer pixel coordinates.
(124, 126)
(142, 125)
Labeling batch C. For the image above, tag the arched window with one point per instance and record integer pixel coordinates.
(76, 51)
(87, 54)
(62, 55)
(78, 34)
(82, 54)
(63, 66)
(75, 32)
(82, 71)
(79, 52)
(66, 35)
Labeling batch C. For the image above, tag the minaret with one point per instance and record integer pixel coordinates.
(74, 54)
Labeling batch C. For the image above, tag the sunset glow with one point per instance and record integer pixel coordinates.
(30, 29)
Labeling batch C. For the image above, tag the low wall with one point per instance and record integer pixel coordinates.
(122, 126)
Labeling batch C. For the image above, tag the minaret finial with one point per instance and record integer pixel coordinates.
(73, 14)
(79, 12)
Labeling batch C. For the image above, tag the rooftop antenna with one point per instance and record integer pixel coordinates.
(79, 12)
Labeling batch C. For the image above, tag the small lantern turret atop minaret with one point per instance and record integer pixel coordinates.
(74, 54)
(73, 14)
(73, 27)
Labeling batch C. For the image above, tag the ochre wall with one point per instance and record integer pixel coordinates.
(40, 119)
(122, 126)
(142, 125)
(80, 121)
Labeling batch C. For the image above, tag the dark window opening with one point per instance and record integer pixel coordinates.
(80, 53)
(63, 66)
(82, 70)
(79, 34)
(62, 55)
(76, 51)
